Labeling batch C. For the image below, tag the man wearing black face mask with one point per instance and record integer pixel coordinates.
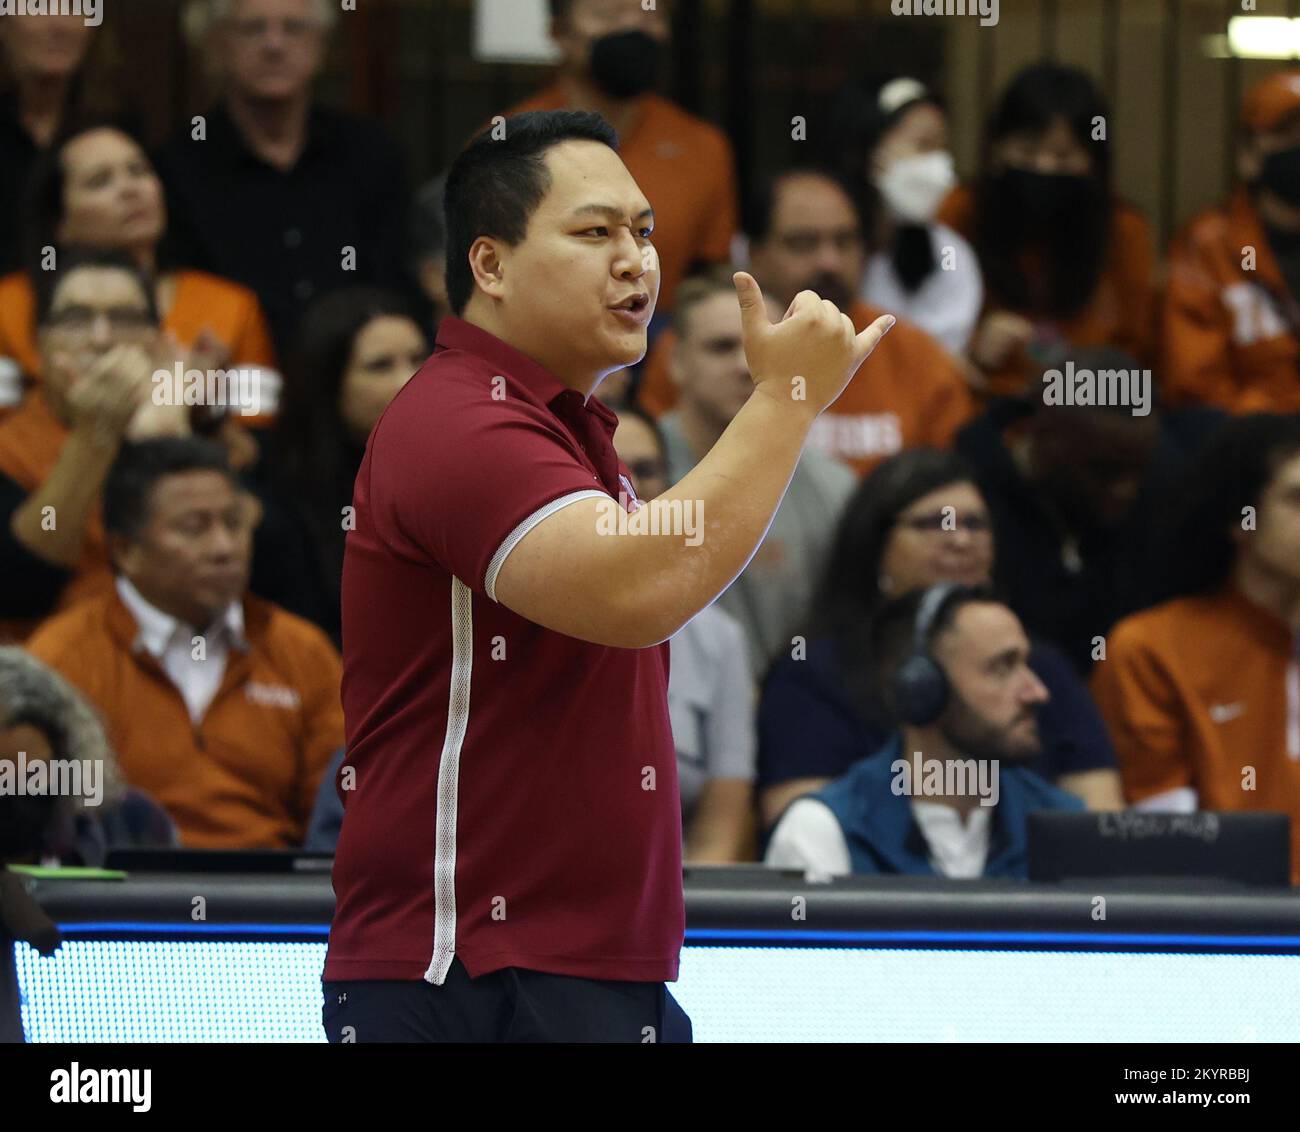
(1232, 309)
(611, 55)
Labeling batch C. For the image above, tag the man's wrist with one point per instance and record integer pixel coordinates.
(784, 396)
(96, 437)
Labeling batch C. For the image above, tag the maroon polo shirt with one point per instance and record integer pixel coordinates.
(515, 799)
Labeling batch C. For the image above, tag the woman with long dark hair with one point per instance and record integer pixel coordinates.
(356, 348)
(96, 187)
(916, 520)
(1065, 263)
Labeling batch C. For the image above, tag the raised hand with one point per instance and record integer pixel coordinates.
(811, 354)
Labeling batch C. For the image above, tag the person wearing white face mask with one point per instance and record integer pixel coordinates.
(897, 151)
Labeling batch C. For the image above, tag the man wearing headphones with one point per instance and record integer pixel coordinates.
(949, 794)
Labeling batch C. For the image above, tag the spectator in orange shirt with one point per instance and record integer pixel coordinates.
(101, 348)
(610, 53)
(1200, 692)
(98, 189)
(100, 344)
(224, 708)
(1066, 264)
(806, 233)
(1232, 306)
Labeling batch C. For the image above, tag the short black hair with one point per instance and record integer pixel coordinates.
(496, 184)
(760, 203)
(139, 467)
(893, 634)
(70, 259)
(1231, 472)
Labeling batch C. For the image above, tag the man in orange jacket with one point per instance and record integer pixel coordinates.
(1202, 693)
(222, 707)
(1231, 315)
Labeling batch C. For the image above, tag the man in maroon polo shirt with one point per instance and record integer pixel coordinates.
(509, 867)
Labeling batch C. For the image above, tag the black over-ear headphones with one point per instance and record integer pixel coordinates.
(920, 685)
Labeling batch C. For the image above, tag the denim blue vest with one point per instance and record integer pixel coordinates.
(884, 837)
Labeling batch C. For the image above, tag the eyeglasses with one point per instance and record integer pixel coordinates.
(124, 320)
(947, 521)
(259, 28)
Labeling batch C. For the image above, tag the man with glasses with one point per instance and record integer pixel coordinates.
(274, 190)
(97, 329)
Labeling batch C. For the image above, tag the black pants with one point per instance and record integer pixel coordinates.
(510, 1005)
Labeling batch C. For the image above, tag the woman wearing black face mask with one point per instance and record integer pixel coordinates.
(1065, 263)
(1232, 306)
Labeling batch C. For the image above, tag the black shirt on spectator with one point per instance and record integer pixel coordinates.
(1067, 598)
(18, 153)
(283, 232)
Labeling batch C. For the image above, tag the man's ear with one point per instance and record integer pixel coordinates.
(486, 263)
(122, 552)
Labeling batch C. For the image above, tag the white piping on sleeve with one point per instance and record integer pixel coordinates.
(514, 537)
